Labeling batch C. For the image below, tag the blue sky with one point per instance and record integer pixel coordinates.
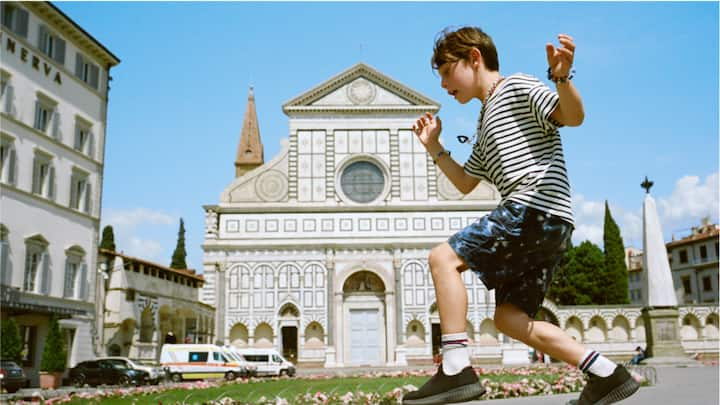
(647, 72)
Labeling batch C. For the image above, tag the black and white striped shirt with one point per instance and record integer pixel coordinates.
(518, 148)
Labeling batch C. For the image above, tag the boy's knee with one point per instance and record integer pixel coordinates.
(438, 256)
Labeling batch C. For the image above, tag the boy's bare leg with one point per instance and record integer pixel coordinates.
(450, 292)
(543, 336)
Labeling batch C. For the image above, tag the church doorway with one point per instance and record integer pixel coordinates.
(290, 343)
(364, 313)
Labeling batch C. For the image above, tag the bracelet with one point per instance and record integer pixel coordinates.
(563, 79)
(437, 156)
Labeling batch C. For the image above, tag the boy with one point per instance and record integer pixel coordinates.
(516, 247)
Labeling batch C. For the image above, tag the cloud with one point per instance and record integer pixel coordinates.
(689, 202)
(141, 232)
(135, 217)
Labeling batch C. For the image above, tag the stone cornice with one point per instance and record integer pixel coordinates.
(302, 103)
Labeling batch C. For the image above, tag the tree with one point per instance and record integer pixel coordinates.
(577, 279)
(54, 356)
(108, 239)
(179, 255)
(10, 342)
(616, 273)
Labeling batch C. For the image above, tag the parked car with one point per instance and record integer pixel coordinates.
(12, 376)
(155, 374)
(106, 371)
(268, 362)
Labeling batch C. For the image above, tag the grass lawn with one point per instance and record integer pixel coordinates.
(286, 388)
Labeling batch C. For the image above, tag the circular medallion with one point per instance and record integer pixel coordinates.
(361, 91)
(446, 189)
(271, 186)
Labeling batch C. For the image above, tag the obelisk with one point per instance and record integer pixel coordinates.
(660, 312)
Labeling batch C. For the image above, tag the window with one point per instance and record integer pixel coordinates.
(28, 336)
(198, 357)
(703, 253)
(47, 119)
(37, 265)
(51, 45)
(8, 161)
(683, 256)
(6, 92)
(362, 182)
(5, 256)
(75, 273)
(87, 71)
(130, 294)
(80, 191)
(84, 140)
(686, 285)
(15, 19)
(43, 176)
(707, 283)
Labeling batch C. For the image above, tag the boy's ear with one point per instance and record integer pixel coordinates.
(476, 58)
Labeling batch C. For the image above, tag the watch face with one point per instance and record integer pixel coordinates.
(361, 91)
(362, 182)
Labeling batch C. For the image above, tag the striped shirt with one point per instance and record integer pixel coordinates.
(518, 147)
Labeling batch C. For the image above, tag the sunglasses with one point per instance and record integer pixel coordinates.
(467, 139)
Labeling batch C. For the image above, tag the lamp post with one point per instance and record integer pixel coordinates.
(100, 279)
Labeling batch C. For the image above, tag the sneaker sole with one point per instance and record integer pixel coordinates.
(628, 388)
(459, 394)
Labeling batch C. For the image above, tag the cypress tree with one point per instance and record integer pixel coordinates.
(616, 273)
(108, 238)
(54, 355)
(577, 282)
(179, 255)
(10, 342)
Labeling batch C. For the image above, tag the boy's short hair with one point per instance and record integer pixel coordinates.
(452, 46)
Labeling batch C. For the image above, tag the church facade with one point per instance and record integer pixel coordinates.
(321, 252)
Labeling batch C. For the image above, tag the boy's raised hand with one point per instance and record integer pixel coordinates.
(428, 128)
(560, 59)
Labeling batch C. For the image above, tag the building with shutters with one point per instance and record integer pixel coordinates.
(322, 251)
(53, 106)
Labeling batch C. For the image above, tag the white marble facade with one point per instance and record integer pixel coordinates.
(322, 251)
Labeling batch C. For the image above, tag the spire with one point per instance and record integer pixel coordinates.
(250, 149)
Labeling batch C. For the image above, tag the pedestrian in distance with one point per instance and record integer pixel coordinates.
(516, 247)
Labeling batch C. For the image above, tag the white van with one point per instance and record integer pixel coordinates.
(198, 361)
(231, 352)
(268, 362)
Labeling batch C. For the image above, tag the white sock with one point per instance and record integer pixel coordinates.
(594, 362)
(455, 354)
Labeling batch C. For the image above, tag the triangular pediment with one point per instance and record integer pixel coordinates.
(360, 88)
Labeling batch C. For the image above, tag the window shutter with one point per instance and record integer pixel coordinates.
(78, 64)
(59, 50)
(45, 281)
(28, 281)
(83, 293)
(43, 39)
(56, 125)
(90, 144)
(68, 280)
(12, 166)
(8, 99)
(78, 144)
(36, 186)
(88, 197)
(38, 124)
(22, 22)
(5, 263)
(51, 184)
(73, 192)
(94, 76)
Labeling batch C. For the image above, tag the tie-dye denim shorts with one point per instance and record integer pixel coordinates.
(514, 250)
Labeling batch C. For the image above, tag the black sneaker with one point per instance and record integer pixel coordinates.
(607, 390)
(445, 389)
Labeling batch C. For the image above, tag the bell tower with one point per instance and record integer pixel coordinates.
(250, 149)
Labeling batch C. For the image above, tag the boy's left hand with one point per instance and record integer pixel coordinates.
(560, 59)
